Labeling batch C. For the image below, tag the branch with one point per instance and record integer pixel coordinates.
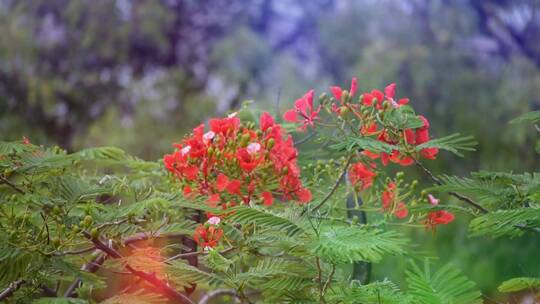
(218, 293)
(162, 286)
(93, 265)
(8, 292)
(336, 185)
(459, 196)
(468, 199)
(4, 180)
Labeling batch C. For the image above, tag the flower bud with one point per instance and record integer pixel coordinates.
(400, 175)
(270, 144)
(354, 219)
(343, 110)
(244, 140)
(87, 221)
(94, 233)
(345, 96)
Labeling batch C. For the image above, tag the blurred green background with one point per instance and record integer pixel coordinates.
(140, 74)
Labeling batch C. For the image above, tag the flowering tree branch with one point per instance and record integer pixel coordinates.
(459, 196)
(162, 286)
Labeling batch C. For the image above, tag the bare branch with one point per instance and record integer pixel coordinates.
(218, 293)
(8, 292)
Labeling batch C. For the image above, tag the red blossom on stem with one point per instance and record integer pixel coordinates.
(439, 217)
(361, 176)
(303, 111)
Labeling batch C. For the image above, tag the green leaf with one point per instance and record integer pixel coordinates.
(505, 222)
(446, 286)
(384, 292)
(403, 118)
(184, 274)
(453, 143)
(363, 143)
(352, 244)
(264, 218)
(530, 117)
(517, 284)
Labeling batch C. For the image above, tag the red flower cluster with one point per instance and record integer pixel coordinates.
(439, 217)
(391, 204)
(361, 176)
(209, 234)
(235, 163)
(370, 105)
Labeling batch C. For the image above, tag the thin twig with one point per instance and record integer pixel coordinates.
(319, 280)
(8, 292)
(330, 276)
(218, 293)
(4, 180)
(78, 251)
(336, 185)
(195, 253)
(459, 196)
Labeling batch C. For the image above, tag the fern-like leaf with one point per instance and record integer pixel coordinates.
(263, 218)
(446, 286)
(518, 284)
(505, 222)
(530, 117)
(453, 143)
(351, 244)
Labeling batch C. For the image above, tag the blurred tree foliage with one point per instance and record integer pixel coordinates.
(137, 74)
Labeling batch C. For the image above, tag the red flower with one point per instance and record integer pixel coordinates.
(266, 121)
(390, 91)
(304, 195)
(248, 161)
(224, 126)
(222, 181)
(389, 203)
(439, 217)
(267, 198)
(368, 129)
(234, 186)
(25, 140)
(401, 210)
(303, 111)
(361, 176)
(338, 92)
(375, 95)
(207, 237)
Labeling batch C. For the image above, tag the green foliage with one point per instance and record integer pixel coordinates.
(363, 143)
(384, 292)
(454, 143)
(518, 284)
(264, 218)
(445, 286)
(347, 244)
(529, 117)
(506, 222)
